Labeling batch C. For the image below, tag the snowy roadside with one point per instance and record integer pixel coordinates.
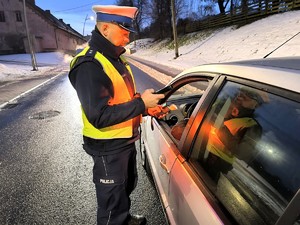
(18, 66)
(252, 41)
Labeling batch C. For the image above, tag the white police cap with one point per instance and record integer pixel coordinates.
(121, 15)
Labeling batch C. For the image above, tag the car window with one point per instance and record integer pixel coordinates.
(185, 98)
(193, 88)
(248, 147)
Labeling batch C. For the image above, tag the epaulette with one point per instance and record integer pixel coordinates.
(89, 56)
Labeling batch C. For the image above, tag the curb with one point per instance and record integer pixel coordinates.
(159, 67)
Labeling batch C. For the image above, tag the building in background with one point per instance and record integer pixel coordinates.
(47, 33)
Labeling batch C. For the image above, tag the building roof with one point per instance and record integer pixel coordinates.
(59, 23)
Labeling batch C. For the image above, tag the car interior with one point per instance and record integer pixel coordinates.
(183, 100)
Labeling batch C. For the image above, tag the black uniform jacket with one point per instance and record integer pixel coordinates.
(94, 89)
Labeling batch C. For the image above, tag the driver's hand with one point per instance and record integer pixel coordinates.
(158, 111)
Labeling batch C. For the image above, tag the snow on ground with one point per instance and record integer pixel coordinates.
(251, 41)
(20, 65)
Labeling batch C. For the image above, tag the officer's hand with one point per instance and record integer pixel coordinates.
(150, 99)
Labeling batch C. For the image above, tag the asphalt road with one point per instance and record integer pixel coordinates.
(45, 174)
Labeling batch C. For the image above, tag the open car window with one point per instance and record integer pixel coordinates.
(184, 97)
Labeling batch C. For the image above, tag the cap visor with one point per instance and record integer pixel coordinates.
(130, 29)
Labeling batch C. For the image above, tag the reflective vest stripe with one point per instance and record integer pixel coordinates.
(121, 130)
(216, 146)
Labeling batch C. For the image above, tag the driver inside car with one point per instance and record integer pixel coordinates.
(178, 128)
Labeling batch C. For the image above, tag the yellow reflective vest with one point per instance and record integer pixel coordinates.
(120, 130)
(216, 146)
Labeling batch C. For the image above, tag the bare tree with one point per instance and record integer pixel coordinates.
(222, 4)
(161, 17)
(141, 16)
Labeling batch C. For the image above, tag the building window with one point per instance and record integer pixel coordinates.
(2, 16)
(18, 16)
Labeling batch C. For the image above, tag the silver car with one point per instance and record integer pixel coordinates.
(228, 152)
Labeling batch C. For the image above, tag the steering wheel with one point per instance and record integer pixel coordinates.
(190, 110)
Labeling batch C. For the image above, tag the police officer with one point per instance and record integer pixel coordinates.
(111, 112)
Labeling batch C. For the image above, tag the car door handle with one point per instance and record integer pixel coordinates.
(152, 127)
(162, 161)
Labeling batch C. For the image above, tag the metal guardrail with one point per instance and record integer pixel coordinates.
(240, 16)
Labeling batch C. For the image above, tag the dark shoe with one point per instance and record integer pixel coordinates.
(136, 220)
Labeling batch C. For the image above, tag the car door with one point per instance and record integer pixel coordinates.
(160, 154)
(189, 201)
(161, 150)
(162, 147)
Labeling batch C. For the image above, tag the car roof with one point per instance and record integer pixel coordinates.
(281, 72)
(281, 62)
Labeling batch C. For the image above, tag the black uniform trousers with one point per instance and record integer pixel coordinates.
(115, 177)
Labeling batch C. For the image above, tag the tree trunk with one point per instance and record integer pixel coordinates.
(221, 6)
